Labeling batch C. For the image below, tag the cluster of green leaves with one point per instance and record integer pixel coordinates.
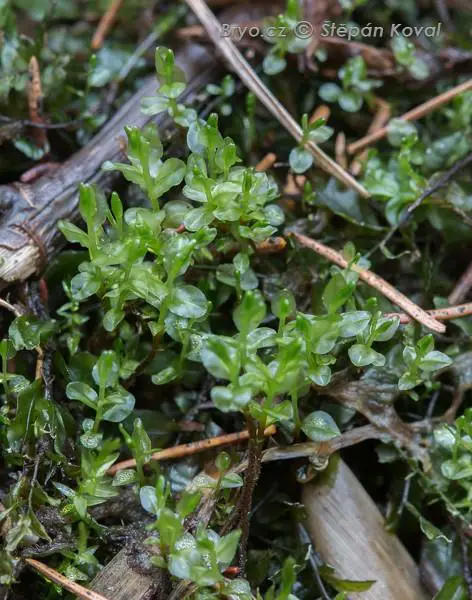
(453, 462)
(316, 132)
(73, 77)
(283, 35)
(201, 557)
(224, 91)
(356, 86)
(110, 403)
(407, 58)
(421, 359)
(399, 180)
(263, 364)
(158, 317)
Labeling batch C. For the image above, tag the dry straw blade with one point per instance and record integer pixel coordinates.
(244, 71)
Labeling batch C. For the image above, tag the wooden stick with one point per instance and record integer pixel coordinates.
(267, 162)
(71, 586)
(462, 287)
(191, 448)
(325, 449)
(340, 149)
(35, 100)
(374, 281)
(244, 71)
(13, 309)
(105, 24)
(442, 314)
(348, 531)
(381, 117)
(190, 32)
(412, 115)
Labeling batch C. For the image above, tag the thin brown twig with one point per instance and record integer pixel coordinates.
(191, 448)
(381, 117)
(374, 281)
(71, 586)
(244, 71)
(267, 162)
(462, 287)
(190, 32)
(325, 449)
(436, 185)
(441, 314)
(450, 415)
(443, 14)
(340, 149)
(35, 100)
(27, 123)
(412, 115)
(105, 24)
(13, 309)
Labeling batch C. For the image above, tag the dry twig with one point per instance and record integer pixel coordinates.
(252, 82)
(381, 117)
(191, 448)
(13, 309)
(340, 149)
(374, 281)
(462, 287)
(267, 162)
(105, 24)
(71, 586)
(35, 101)
(436, 185)
(325, 449)
(441, 314)
(412, 115)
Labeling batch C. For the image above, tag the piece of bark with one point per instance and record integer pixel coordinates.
(348, 532)
(130, 576)
(29, 213)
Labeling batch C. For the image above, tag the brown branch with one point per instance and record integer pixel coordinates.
(35, 99)
(381, 117)
(441, 314)
(71, 586)
(374, 281)
(26, 123)
(412, 115)
(325, 449)
(462, 287)
(340, 149)
(13, 309)
(244, 71)
(105, 24)
(436, 185)
(267, 162)
(191, 448)
(450, 415)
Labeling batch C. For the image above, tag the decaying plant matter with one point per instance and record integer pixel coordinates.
(207, 313)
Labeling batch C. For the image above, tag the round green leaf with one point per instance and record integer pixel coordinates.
(319, 426)
(77, 390)
(189, 302)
